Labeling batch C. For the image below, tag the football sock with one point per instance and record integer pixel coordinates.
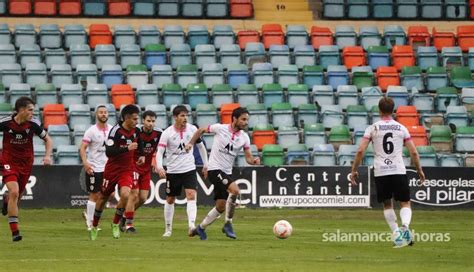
(210, 218)
(191, 210)
(169, 213)
(90, 212)
(13, 221)
(391, 218)
(97, 215)
(230, 207)
(118, 215)
(129, 218)
(405, 215)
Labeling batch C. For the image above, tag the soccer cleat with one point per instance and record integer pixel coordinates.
(229, 231)
(5, 204)
(406, 235)
(167, 233)
(115, 231)
(192, 232)
(131, 230)
(122, 226)
(200, 232)
(93, 233)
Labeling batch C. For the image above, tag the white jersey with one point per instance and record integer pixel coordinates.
(95, 137)
(174, 140)
(226, 146)
(388, 138)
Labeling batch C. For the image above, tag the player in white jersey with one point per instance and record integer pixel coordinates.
(229, 139)
(180, 167)
(388, 138)
(94, 159)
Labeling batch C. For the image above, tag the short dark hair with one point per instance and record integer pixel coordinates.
(179, 109)
(236, 113)
(386, 105)
(23, 102)
(148, 113)
(129, 110)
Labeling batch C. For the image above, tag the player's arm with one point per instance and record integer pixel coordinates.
(203, 153)
(159, 161)
(250, 158)
(197, 135)
(48, 143)
(112, 147)
(83, 154)
(358, 159)
(415, 158)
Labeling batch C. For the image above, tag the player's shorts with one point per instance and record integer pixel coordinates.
(141, 181)
(91, 183)
(221, 182)
(176, 182)
(392, 186)
(124, 179)
(13, 174)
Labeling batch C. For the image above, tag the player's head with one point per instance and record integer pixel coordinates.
(386, 106)
(240, 118)
(180, 115)
(129, 116)
(101, 113)
(24, 107)
(148, 119)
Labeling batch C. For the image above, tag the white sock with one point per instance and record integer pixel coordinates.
(391, 218)
(210, 218)
(90, 212)
(191, 210)
(405, 215)
(169, 213)
(230, 207)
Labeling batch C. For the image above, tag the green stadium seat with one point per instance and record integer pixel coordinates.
(461, 77)
(172, 94)
(339, 135)
(272, 93)
(436, 77)
(273, 155)
(441, 139)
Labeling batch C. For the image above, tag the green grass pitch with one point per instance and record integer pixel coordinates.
(56, 240)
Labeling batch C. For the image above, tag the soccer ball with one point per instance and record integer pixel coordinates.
(282, 229)
(397, 238)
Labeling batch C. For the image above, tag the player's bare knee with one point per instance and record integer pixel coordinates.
(405, 204)
(220, 205)
(170, 200)
(387, 204)
(190, 194)
(14, 194)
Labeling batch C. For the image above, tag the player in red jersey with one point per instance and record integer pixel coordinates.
(120, 147)
(18, 131)
(150, 136)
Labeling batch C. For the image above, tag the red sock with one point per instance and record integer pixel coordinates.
(118, 215)
(13, 221)
(129, 217)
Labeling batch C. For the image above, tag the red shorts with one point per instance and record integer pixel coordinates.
(142, 181)
(124, 179)
(13, 174)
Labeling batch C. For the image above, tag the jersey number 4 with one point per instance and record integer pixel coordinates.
(387, 144)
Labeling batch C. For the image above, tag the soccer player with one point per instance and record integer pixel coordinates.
(94, 160)
(18, 131)
(229, 139)
(120, 146)
(181, 167)
(388, 137)
(150, 136)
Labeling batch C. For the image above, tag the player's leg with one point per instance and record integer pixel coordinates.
(130, 211)
(125, 188)
(13, 197)
(173, 189)
(385, 195)
(142, 197)
(233, 191)
(191, 208)
(108, 186)
(144, 186)
(402, 194)
(93, 185)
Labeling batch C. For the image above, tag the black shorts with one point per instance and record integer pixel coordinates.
(392, 186)
(93, 183)
(176, 182)
(221, 182)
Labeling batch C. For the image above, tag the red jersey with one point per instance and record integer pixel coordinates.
(18, 142)
(120, 159)
(150, 142)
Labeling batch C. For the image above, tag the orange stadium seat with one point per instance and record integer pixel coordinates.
(321, 36)
(246, 36)
(119, 7)
(403, 55)
(226, 112)
(70, 7)
(272, 34)
(44, 7)
(54, 114)
(408, 116)
(99, 34)
(443, 39)
(418, 135)
(19, 7)
(387, 75)
(418, 36)
(122, 94)
(241, 8)
(262, 135)
(465, 37)
(353, 56)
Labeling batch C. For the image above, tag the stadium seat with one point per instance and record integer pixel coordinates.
(39, 151)
(273, 155)
(241, 161)
(119, 7)
(424, 102)
(61, 74)
(386, 76)
(198, 35)
(370, 96)
(279, 55)
(122, 94)
(155, 54)
(216, 8)
(298, 154)
(441, 139)
(180, 54)
(161, 74)
(147, 94)
(78, 134)
(258, 113)
(35, 73)
(337, 75)
(470, 59)
(402, 55)
(368, 156)
(172, 94)
(321, 36)
(436, 77)
(71, 94)
(206, 114)
(221, 94)
(5, 34)
(3, 95)
(94, 7)
(359, 131)
(19, 7)
(212, 73)
(288, 136)
(427, 56)
(241, 8)
(307, 114)
(353, 56)
(329, 55)
(6, 109)
(262, 73)
(263, 134)
(287, 74)
(45, 94)
(112, 114)
(54, 114)
(205, 54)
(50, 36)
(399, 94)
(357, 115)
(345, 36)
(144, 8)
(296, 35)
(383, 9)
(418, 36)
(431, 9)
(346, 154)
(304, 55)
(464, 139)
(465, 35)
(124, 34)
(99, 34)
(408, 116)
(96, 94)
(443, 39)
(29, 54)
(79, 114)
(362, 76)
(272, 93)
(467, 98)
(111, 74)
(137, 75)
(378, 56)
(339, 135)
(226, 112)
(18, 90)
(314, 134)
(160, 111)
(168, 8)
(74, 34)
(457, 116)
(347, 95)
(197, 94)
(334, 9)
(313, 75)
(86, 73)
(54, 56)
(450, 160)
(237, 74)
(272, 34)
(7, 53)
(254, 53)
(369, 36)
(282, 115)
(222, 34)
(24, 34)
(323, 95)
(187, 74)
(229, 54)
(59, 134)
(44, 7)
(461, 77)
(331, 115)
(11, 74)
(418, 135)
(446, 96)
(68, 155)
(130, 54)
(148, 35)
(394, 34)
(358, 9)
(247, 36)
(297, 94)
(105, 54)
(407, 9)
(324, 155)
(452, 57)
